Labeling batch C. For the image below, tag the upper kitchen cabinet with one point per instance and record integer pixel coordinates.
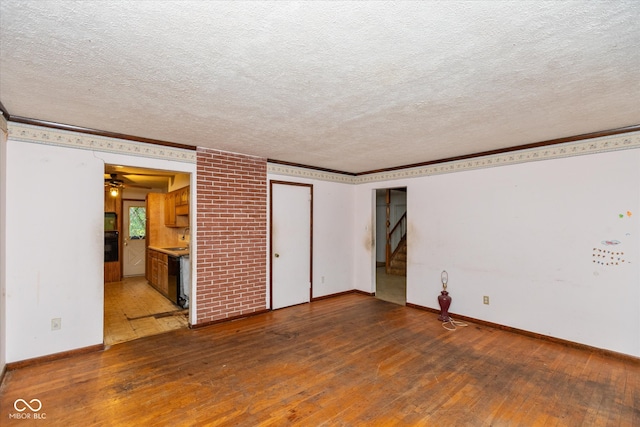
(176, 208)
(170, 209)
(182, 201)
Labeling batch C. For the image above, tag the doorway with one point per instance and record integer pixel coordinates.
(291, 242)
(132, 307)
(391, 246)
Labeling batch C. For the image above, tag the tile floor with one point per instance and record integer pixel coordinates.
(133, 309)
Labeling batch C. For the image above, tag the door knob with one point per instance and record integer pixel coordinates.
(277, 255)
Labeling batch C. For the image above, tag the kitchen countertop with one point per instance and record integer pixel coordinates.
(176, 251)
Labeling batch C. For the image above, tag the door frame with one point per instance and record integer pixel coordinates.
(277, 182)
(376, 231)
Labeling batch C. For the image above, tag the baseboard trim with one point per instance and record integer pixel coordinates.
(227, 319)
(549, 338)
(369, 294)
(241, 316)
(51, 357)
(338, 294)
(4, 371)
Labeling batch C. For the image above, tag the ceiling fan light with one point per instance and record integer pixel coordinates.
(114, 191)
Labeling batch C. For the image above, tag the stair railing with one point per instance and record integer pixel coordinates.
(395, 237)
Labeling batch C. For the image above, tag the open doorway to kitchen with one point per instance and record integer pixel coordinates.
(147, 252)
(391, 245)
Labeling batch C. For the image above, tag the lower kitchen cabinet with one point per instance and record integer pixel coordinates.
(159, 268)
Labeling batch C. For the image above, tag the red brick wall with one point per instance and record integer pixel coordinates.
(232, 235)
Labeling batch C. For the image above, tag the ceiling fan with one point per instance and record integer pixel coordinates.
(114, 184)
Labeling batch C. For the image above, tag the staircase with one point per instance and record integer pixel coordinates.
(398, 260)
(396, 241)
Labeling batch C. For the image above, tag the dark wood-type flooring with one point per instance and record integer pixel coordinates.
(351, 360)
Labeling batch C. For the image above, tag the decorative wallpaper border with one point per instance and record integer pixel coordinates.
(300, 172)
(569, 149)
(64, 138)
(42, 135)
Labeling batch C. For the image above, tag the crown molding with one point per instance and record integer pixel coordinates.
(547, 143)
(547, 152)
(334, 171)
(65, 138)
(583, 147)
(3, 124)
(303, 172)
(90, 131)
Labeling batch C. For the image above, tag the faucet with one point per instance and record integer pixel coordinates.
(184, 233)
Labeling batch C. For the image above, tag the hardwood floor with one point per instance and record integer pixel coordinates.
(133, 309)
(351, 360)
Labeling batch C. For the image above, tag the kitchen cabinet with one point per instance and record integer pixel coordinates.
(170, 209)
(159, 271)
(158, 234)
(163, 275)
(176, 208)
(164, 265)
(182, 201)
(148, 265)
(113, 269)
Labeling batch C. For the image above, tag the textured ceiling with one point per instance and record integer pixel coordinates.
(351, 86)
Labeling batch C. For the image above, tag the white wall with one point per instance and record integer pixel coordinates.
(332, 226)
(55, 241)
(524, 235)
(3, 248)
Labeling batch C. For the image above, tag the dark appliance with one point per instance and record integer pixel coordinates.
(111, 246)
(110, 219)
(173, 267)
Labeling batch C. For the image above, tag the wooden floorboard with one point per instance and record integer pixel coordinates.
(347, 361)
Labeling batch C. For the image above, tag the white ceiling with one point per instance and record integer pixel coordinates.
(351, 86)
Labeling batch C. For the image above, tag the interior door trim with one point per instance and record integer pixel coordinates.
(277, 182)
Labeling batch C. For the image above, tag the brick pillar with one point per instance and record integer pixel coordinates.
(232, 235)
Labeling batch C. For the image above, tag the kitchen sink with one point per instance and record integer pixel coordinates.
(182, 248)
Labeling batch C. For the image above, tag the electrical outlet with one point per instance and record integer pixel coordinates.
(56, 324)
(485, 300)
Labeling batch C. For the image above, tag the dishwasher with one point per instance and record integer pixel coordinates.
(173, 268)
(185, 281)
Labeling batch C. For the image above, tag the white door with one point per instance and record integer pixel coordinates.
(133, 237)
(290, 244)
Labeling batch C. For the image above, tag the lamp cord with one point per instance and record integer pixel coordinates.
(455, 324)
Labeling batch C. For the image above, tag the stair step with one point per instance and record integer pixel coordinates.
(398, 262)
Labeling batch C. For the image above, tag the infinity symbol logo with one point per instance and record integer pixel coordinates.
(24, 405)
